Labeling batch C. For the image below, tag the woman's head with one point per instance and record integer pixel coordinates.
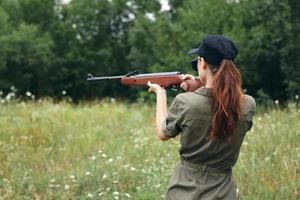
(212, 50)
(217, 70)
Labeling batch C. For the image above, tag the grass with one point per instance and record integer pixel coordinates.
(108, 150)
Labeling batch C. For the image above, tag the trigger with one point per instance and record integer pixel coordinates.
(175, 88)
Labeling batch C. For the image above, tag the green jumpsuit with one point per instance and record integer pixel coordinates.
(205, 168)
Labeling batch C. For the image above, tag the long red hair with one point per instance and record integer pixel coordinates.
(227, 95)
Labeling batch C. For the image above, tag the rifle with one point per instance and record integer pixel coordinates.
(164, 79)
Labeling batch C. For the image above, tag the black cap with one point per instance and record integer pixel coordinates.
(215, 48)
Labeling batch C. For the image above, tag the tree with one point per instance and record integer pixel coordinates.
(25, 57)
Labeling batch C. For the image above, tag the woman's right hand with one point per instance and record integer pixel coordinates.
(185, 77)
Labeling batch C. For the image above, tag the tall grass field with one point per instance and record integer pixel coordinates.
(109, 150)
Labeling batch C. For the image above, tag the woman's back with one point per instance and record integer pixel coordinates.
(194, 111)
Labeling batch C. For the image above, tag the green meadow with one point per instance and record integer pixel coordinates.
(109, 150)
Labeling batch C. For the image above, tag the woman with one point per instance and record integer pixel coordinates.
(212, 120)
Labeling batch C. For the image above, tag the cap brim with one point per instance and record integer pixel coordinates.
(195, 64)
(192, 51)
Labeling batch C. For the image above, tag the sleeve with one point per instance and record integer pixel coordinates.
(171, 127)
(251, 113)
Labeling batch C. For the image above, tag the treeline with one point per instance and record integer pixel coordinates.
(47, 47)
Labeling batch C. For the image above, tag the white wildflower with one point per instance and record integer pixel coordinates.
(8, 97)
(78, 36)
(72, 176)
(104, 155)
(6, 180)
(13, 88)
(104, 176)
(90, 195)
(127, 195)
(100, 151)
(87, 173)
(115, 182)
(138, 188)
(116, 193)
(296, 97)
(276, 102)
(110, 160)
(63, 92)
(52, 180)
(67, 187)
(100, 194)
(132, 169)
(28, 93)
(108, 189)
(93, 158)
(267, 159)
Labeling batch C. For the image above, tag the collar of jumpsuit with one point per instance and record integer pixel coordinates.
(203, 91)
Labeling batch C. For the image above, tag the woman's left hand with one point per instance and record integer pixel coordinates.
(155, 88)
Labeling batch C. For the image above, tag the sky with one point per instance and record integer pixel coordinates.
(164, 4)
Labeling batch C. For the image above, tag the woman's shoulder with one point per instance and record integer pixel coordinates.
(181, 97)
(249, 103)
(193, 103)
(249, 100)
(186, 97)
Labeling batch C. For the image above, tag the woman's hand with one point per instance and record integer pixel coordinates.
(155, 88)
(184, 85)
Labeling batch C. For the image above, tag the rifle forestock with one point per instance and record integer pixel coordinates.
(163, 79)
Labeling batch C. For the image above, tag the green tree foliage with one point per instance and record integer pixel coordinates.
(263, 30)
(48, 47)
(265, 43)
(25, 59)
(25, 52)
(290, 59)
(97, 35)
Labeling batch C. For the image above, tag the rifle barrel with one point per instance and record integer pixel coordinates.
(158, 74)
(90, 77)
(103, 78)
